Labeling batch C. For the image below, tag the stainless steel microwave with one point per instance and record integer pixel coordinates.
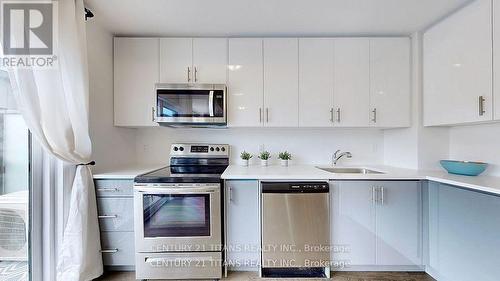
(193, 105)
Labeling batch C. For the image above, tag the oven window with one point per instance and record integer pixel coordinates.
(183, 215)
(183, 103)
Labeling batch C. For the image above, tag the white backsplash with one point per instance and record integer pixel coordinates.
(308, 146)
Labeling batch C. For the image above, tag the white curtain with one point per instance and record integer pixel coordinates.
(54, 104)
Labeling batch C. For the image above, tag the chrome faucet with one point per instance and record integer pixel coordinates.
(337, 155)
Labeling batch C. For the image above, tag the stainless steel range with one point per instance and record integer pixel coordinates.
(178, 215)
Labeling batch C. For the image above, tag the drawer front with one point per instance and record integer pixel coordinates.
(114, 188)
(116, 214)
(117, 248)
(187, 266)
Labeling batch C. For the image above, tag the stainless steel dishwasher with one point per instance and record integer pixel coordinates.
(295, 229)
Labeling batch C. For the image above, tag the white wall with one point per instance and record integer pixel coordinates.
(112, 146)
(308, 146)
(477, 143)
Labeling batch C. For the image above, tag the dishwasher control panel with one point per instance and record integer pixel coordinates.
(295, 187)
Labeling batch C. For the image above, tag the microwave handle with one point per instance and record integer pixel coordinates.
(211, 103)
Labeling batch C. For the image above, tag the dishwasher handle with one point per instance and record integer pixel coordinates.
(295, 187)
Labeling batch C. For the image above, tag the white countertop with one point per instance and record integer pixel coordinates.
(487, 184)
(128, 172)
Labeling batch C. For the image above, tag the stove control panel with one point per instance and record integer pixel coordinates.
(197, 150)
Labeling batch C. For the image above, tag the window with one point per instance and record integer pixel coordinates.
(14, 187)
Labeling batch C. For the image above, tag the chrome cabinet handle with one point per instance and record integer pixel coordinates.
(108, 189)
(260, 114)
(189, 74)
(374, 195)
(374, 119)
(382, 191)
(153, 113)
(110, 251)
(267, 114)
(338, 114)
(231, 194)
(195, 74)
(107, 216)
(481, 105)
(331, 114)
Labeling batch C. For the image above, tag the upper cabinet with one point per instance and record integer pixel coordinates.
(390, 82)
(281, 68)
(316, 82)
(198, 60)
(245, 83)
(136, 62)
(496, 59)
(352, 82)
(272, 82)
(458, 67)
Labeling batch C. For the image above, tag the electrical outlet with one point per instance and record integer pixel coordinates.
(261, 148)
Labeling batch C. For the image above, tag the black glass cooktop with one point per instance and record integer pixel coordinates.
(186, 170)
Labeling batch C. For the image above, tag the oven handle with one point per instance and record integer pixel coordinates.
(211, 103)
(177, 190)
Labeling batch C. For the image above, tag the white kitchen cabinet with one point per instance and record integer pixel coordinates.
(398, 222)
(135, 74)
(245, 83)
(242, 225)
(496, 59)
(176, 60)
(198, 60)
(210, 60)
(390, 82)
(316, 82)
(281, 82)
(384, 227)
(352, 82)
(458, 67)
(352, 222)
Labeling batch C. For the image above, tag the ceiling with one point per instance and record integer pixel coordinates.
(269, 17)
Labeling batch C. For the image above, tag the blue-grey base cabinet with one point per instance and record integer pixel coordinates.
(115, 205)
(376, 225)
(463, 234)
(242, 225)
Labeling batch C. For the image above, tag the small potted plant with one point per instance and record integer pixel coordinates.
(245, 157)
(264, 158)
(285, 156)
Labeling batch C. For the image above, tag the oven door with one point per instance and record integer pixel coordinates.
(177, 218)
(190, 104)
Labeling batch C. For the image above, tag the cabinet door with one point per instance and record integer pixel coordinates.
(496, 59)
(242, 226)
(176, 60)
(352, 82)
(390, 82)
(458, 67)
(135, 74)
(315, 82)
(468, 235)
(352, 222)
(210, 60)
(245, 83)
(281, 82)
(399, 223)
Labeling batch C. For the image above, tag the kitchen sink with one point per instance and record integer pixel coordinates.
(350, 170)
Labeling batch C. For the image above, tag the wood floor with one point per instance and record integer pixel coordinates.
(338, 276)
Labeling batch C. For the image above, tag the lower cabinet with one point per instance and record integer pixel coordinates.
(115, 207)
(376, 225)
(242, 225)
(464, 234)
